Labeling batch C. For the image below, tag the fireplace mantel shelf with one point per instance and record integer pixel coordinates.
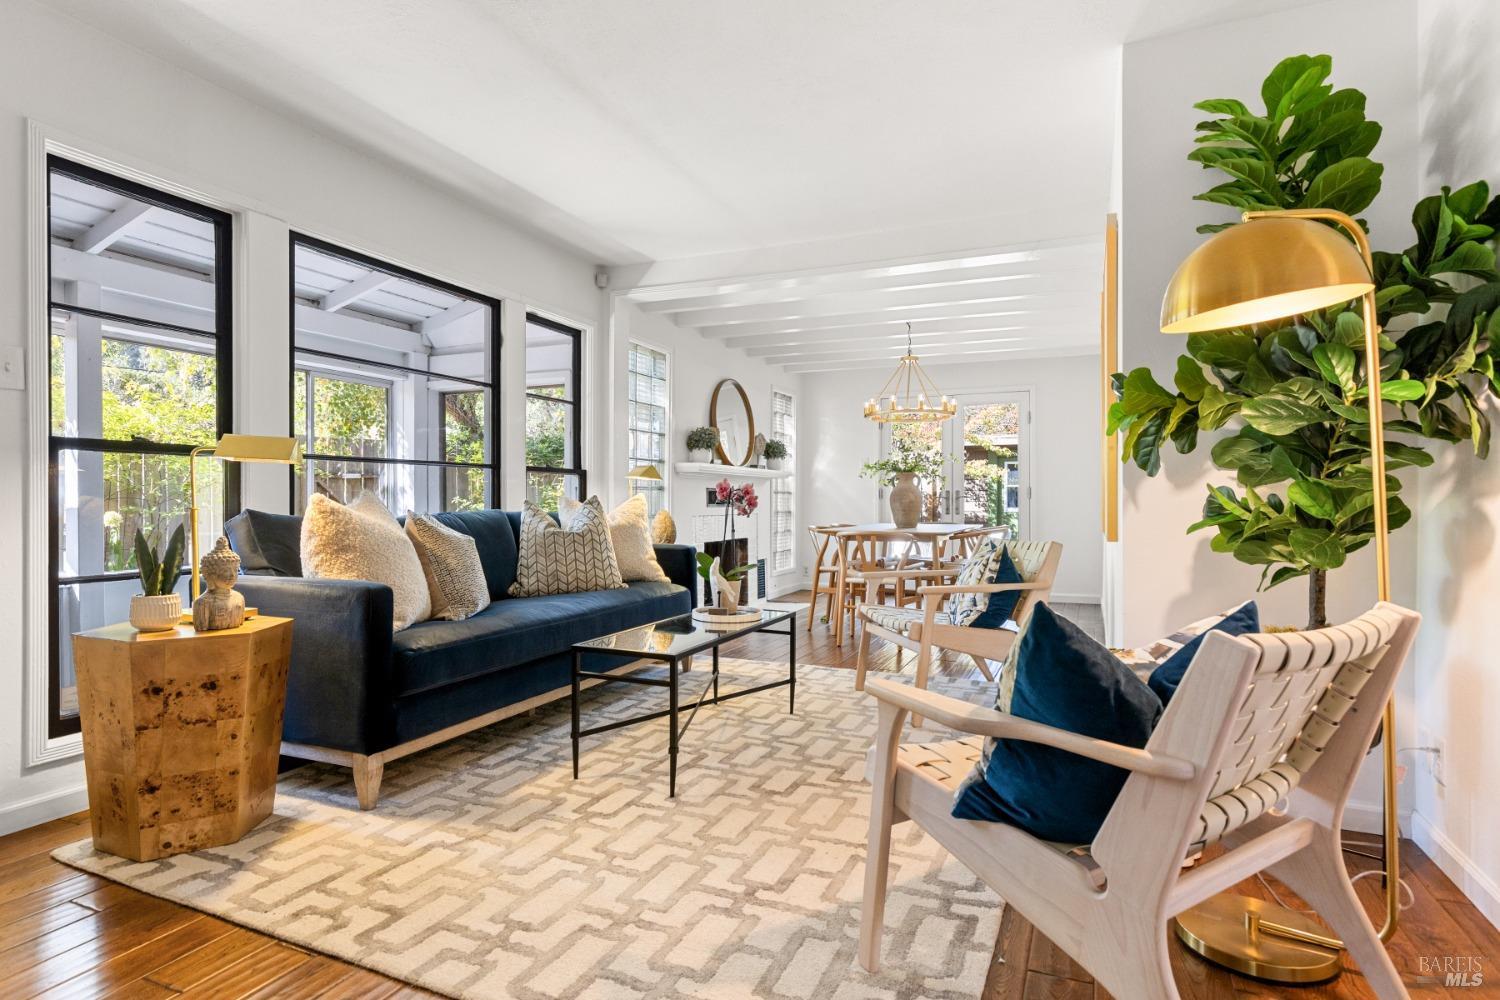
(713, 470)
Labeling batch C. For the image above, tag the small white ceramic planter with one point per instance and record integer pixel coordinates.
(776, 464)
(700, 455)
(155, 614)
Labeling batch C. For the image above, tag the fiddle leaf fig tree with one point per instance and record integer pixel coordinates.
(1293, 393)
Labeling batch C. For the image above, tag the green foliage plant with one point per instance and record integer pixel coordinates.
(159, 570)
(775, 449)
(702, 439)
(1292, 392)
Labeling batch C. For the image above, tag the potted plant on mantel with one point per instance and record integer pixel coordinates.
(158, 606)
(775, 454)
(737, 501)
(701, 442)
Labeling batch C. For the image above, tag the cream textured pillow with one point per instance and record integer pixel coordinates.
(450, 561)
(363, 542)
(558, 560)
(630, 533)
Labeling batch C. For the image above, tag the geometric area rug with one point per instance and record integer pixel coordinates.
(488, 872)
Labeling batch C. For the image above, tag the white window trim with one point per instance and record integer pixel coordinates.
(618, 475)
(795, 569)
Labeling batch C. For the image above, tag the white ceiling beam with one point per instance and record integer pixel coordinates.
(352, 291)
(925, 332)
(927, 355)
(894, 348)
(898, 317)
(1001, 354)
(795, 290)
(468, 307)
(357, 331)
(1007, 289)
(137, 281)
(119, 223)
(1091, 248)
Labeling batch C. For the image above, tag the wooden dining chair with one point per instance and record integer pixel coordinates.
(824, 565)
(1257, 751)
(961, 544)
(930, 629)
(859, 554)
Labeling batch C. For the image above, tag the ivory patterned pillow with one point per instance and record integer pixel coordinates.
(558, 560)
(630, 533)
(980, 567)
(362, 541)
(450, 561)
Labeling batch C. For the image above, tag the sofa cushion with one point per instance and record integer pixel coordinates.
(267, 544)
(450, 561)
(570, 558)
(1175, 653)
(494, 535)
(363, 541)
(522, 629)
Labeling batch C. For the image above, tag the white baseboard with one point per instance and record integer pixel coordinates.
(39, 809)
(1369, 817)
(1058, 598)
(1458, 866)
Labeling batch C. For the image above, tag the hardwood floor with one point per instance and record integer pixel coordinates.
(70, 935)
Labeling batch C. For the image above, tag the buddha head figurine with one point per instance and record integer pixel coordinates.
(219, 567)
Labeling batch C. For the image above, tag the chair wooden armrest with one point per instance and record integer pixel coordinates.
(967, 718)
(979, 588)
(912, 573)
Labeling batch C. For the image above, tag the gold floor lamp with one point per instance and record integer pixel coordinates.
(233, 448)
(1275, 265)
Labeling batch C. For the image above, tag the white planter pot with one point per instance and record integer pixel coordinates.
(155, 614)
(776, 464)
(701, 455)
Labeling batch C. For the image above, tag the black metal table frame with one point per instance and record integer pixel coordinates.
(671, 682)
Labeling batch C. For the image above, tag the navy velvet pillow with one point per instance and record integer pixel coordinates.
(1066, 680)
(1164, 680)
(1002, 602)
(267, 544)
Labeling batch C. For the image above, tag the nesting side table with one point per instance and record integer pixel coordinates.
(181, 733)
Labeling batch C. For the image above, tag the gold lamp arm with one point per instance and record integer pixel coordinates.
(1391, 826)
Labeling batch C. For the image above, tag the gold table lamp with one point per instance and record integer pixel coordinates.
(1279, 264)
(233, 448)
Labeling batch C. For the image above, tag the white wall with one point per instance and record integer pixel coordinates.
(112, 101)
(838, 440)
(1458, 572)
(696, 365)
(1169, 578)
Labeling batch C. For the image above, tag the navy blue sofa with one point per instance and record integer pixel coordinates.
(358, 695)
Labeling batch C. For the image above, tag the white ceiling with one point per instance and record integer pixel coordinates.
(664, 129)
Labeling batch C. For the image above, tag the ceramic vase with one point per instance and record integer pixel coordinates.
(906, 500)
(726, 591)
(155, 614)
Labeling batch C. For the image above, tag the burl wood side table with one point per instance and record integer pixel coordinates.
(181, 733)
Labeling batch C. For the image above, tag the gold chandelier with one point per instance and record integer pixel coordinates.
(909, 396)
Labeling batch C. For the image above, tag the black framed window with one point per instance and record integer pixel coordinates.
(139, 374)
(394, 376)
(554, 419)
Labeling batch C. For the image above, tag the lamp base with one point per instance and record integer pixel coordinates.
(1259, 939)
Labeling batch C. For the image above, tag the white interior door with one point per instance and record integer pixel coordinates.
(987, 452)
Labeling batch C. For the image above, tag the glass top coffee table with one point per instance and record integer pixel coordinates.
(674, 641)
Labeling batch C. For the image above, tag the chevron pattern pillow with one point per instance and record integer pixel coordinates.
(558, 560)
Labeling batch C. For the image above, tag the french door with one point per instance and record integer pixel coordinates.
(975, 467)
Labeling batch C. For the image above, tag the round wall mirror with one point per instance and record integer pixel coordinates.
(730, 414)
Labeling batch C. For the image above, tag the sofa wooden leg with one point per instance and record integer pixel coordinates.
(367, 774)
